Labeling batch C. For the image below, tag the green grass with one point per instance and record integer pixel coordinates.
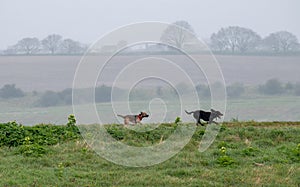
(244, 154)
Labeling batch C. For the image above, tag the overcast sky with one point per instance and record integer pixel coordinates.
(87, 20)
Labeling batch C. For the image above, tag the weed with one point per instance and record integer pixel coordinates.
(224, 159)
(250, 151)
(59, 170)
(30, 149)
(235, 120)
(71, 120)
(177, 120)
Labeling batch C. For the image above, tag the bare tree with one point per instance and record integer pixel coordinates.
(234, 39)
(176, 34)
(70, 46)
(52, 43)
(28, 45)
(281, 41)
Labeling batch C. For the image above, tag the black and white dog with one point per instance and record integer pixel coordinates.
(205, 116)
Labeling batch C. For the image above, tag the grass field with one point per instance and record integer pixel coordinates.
(244, 154)
(42, 73)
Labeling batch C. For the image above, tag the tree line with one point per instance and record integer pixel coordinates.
(272, 87)
(231, 39)
(52, 44)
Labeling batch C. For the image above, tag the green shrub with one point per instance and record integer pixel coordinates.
(274, 134)
(250, 151)
(117, 132)
(296, 152)
(264, 143)
(30, 149)
(225, 160)
(222, 144)
(177, 120)
(11, 134)
(71, 120)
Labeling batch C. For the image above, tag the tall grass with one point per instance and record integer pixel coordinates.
(243, 154)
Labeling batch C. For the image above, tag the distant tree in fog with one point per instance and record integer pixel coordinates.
(176, 34)
(52, 43)
(28, 46)
(69, 46)
(11, 50)
(281, 41)
(297, 89)
(235, 90)
(10, 91)
(234, 39)
(271, 87)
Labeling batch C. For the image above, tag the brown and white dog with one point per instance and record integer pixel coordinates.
(206, 116)
(134, 118)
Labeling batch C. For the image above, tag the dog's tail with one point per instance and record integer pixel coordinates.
(189, 112)
(120, 116)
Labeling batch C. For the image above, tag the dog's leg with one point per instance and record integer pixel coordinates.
(215, 122)
(199, 122)
(126, 121)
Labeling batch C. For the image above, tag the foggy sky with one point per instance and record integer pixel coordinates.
(87, 20)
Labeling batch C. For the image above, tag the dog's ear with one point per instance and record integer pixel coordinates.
(212, 110)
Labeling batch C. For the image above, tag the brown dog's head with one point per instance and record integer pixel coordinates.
(143, 115)
(215, 114)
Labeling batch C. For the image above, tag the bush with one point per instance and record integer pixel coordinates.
(250, 151)
(29, 149)
(235, 90)
(50, 98)
(66, 96)
(271, 87)
(103, 94)
(10, 91)
(11, 134)
(203, 90)
(297, 89)
(225, 161)
(30, 138)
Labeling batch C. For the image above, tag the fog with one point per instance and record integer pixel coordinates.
(248, 81)
(86, 21)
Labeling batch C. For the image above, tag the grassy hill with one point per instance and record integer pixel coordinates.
(243, 154)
